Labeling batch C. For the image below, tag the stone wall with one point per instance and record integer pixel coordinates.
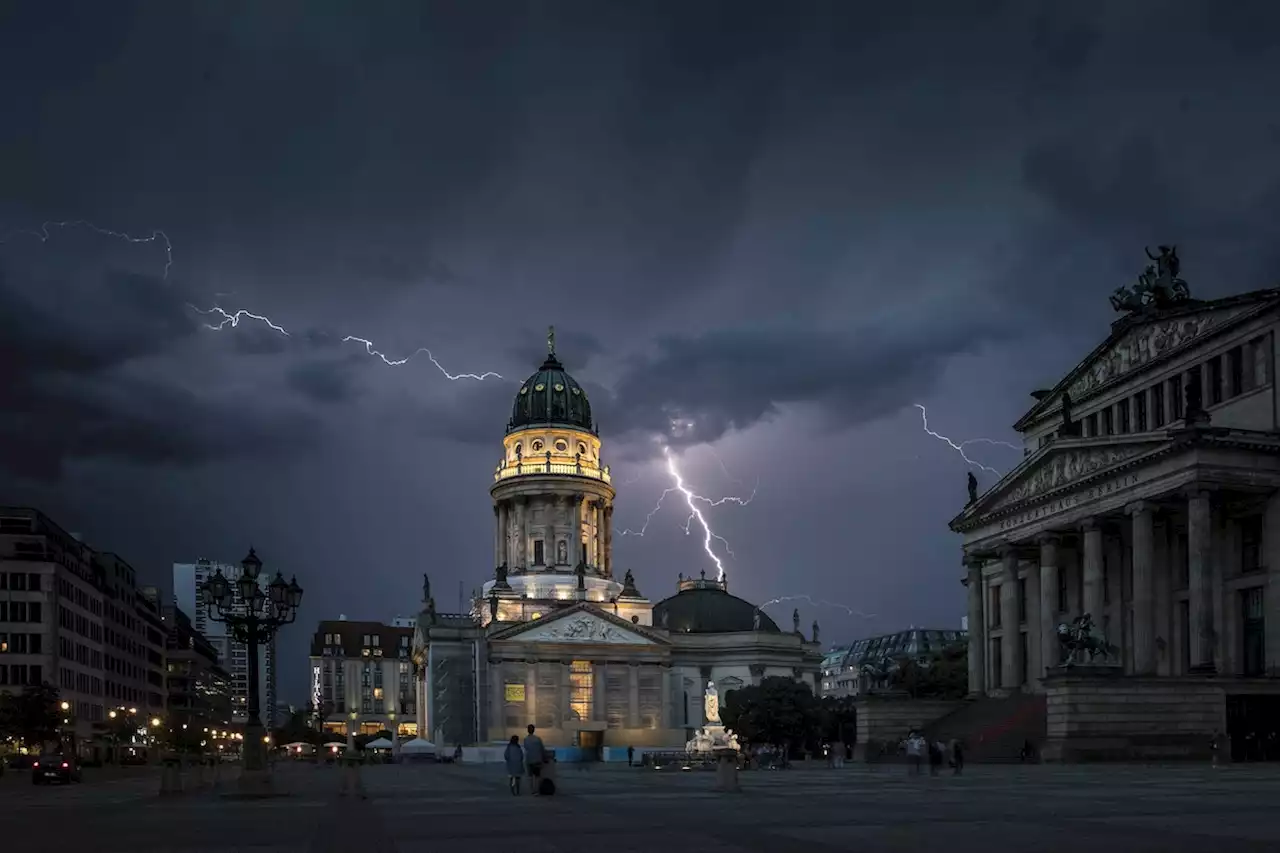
(886, 719)
(1106, 717)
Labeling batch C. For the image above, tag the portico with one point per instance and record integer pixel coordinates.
(1148, 498)
(1164, 548)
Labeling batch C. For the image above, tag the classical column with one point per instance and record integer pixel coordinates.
(595, 534)
(575, 536)
(1093, 578)
(608, 541)
(1162, 582)
(1035, 666)
(504, 523)
(664, 670)
(1048, 628)
(1144, 623)
(522, 535)
(497, 534)
(977, 629)
(1200, 573)
(1010, 669)
(531, 691)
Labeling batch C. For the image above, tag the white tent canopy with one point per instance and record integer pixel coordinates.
(380, 743)
(418, 745)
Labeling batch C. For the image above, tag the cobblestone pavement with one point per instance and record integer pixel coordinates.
(449, 808)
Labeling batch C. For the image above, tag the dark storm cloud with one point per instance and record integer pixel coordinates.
(67, 392)
(695, 389)
(574, 344)
(330, 381)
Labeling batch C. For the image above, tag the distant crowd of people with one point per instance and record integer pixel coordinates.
(917, 748)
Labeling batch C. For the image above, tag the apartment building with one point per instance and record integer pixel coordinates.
(51, 614)
(198, 687)
(133, 640)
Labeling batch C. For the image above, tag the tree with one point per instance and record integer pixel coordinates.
(838, 719)
(942, 675)
(32, 716)
(778, 711)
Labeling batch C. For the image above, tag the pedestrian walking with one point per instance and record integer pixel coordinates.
(514, 759)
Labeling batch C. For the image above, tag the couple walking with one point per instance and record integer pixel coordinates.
(526, 761)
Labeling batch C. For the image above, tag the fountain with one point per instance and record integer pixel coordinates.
(713, 737)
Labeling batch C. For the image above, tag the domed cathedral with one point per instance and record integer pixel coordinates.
(555, 638)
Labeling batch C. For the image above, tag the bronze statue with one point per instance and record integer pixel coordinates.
(755, 620)
(426, 587)
(1159, 285)
(795, 619)
(666, 619)
(493, 607)
(628, 580)
(973, 487)
(581, 571)
(815, 630)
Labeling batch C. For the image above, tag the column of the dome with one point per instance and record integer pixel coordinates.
(522, 535)
(608, 541)
(504, 526)
(497, 534)
(575, 541)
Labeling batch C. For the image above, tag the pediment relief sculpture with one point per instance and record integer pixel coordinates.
(581, 628)
(1062, 469)
(1142, 345)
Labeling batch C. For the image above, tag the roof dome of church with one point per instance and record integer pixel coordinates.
(551, 397)
(706, 607)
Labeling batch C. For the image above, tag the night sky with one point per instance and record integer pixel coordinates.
(776, 225)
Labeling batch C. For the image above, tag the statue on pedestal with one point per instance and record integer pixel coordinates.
(1082, 638)
(973, 487)
(426, 587)
(815, 630)
(795, 620)
(755, 620)
(711, 703)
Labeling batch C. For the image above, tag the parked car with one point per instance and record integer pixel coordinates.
(55, 768)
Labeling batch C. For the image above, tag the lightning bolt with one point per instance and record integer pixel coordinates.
(44, 235)
(959, 448)
(368, 345)
(818, 603)
(692, 499)
(233, 320)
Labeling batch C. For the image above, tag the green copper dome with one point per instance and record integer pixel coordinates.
(551, 397)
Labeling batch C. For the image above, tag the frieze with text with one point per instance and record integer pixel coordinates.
(1068, 502)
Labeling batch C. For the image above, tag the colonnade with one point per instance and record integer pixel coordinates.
(588, 537)
(1132, 585)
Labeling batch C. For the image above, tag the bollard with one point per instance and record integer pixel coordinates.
(727, 771)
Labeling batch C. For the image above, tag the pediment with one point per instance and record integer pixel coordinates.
(1146, 340)
(581, 624)
(1058, 466)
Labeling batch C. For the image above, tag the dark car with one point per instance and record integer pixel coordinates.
(55, 768)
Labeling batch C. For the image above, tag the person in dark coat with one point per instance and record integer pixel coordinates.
(513, 757)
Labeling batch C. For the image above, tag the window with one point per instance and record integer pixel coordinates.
(1022, 599)
(997, 663)
(1251, 544)
(1062, 590)
(1123, 406)
(537, 553)
(581, 688)
(1140, 411)
(1253, 625)
(1157, 405)
(1175, 396)
(994, 610)
(18, 581)
(1108, 421)
(377, 640)
(1215, 380)
(1235, 372)
(35, 612)
(562, 446)
(33, 582)
(1091, 425)
(1023, 664)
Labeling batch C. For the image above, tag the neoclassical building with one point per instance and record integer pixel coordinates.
(555, 637)
(1149, 498)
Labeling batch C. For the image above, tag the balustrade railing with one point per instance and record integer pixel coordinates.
(523, 468)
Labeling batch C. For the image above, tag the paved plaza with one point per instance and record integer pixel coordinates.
(450, 808)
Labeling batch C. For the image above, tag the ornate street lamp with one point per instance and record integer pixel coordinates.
(254, 617)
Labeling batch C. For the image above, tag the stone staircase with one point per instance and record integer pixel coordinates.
(994, 729)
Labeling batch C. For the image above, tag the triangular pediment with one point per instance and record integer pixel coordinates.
(1146, 339)
(1060, 466)
(580, 624)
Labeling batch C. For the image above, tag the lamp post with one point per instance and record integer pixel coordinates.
(395, 736)
(351, 733)
(68, 728)
(254, 617)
